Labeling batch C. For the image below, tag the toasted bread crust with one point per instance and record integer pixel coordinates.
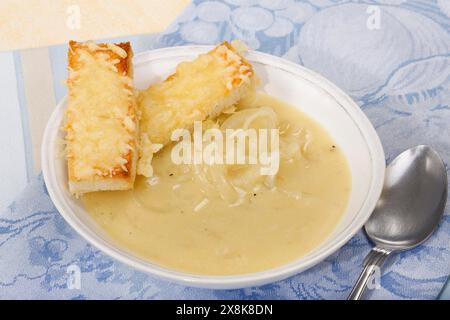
(124, 65)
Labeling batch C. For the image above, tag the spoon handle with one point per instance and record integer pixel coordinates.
(372, 262)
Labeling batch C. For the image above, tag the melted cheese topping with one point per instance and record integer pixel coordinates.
(92, 46)
(100, 117)
(191, 94)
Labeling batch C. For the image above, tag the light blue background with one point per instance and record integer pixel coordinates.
(400, 76)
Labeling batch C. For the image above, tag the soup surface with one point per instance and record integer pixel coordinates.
(228, 219)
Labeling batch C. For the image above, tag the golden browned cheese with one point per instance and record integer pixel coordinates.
(101, 117)
(197, 90)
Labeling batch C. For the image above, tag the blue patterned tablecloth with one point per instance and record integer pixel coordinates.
(391, 56)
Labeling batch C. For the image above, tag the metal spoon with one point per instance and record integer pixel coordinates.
(408, 211)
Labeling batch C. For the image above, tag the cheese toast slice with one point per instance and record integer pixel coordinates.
(101, 118)
(198, 89)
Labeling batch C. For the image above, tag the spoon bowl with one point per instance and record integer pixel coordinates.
(412, 202)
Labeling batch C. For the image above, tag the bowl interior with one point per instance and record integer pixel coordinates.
(301, 88)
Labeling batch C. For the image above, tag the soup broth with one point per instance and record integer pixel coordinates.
(179, 221)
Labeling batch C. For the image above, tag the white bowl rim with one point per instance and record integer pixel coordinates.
(231, 281)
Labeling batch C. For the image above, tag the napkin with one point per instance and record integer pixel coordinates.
(392, 57)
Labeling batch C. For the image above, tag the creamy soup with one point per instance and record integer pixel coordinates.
(226, 219)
